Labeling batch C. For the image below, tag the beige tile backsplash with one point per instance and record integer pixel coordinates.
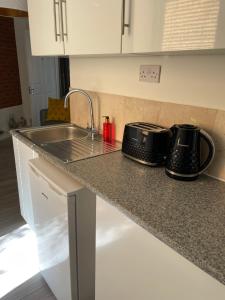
(123, 110)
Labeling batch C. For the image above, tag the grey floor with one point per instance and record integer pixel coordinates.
(10, 219)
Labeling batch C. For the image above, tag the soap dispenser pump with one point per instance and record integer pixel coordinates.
(107, 129)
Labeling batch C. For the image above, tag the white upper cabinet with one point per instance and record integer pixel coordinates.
(173, 25)
(93, 26)
(75, 27)
(87, 27)
(45, 27)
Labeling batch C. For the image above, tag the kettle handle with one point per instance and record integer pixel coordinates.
(207, 138)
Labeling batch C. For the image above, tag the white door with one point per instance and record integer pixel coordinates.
(132, 264)
(45, 27)
(16, 144)
(92, 27)
(51, 229)
(171, 25)
(43, 82)
(23, 154)
(64, 223)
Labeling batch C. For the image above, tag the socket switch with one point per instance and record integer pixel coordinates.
(150, 73)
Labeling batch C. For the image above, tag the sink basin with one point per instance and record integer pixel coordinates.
(54, 134)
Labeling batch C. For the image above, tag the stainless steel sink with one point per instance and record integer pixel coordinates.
(69, 143)
(53, 134)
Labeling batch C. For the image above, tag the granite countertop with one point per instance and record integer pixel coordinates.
(187, 216)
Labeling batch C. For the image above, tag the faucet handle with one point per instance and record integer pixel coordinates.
(93, 130)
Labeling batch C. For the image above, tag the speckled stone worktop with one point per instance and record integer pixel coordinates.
(187, 216)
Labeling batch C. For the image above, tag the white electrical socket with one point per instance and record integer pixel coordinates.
(150, 73)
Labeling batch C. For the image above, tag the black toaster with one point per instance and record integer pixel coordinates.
(146, 143)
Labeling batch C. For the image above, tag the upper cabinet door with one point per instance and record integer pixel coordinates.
(45, 27)
(92, 26)
(173, 25)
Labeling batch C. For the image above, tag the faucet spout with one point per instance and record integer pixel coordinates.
(82, 92)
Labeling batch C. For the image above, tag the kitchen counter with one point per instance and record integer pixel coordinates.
(187, 216)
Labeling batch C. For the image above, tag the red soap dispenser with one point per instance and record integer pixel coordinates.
(107, 129)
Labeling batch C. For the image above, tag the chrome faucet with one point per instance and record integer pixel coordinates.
(80, 91)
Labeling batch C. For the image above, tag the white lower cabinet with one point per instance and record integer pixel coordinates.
(64, 224)
(23, 154)
(51, 228)
(133, 264)
(89, 250)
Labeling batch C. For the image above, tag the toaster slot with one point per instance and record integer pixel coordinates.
(148, 126)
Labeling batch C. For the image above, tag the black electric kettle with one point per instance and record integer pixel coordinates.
(184, 156)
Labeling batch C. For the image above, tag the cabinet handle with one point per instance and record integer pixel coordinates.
(124, 24)
(56, 3)
(64, 19)
(45, 196)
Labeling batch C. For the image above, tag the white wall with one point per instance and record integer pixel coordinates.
(5, 113)
(41, 73)
(188, 79)
(15, 4)
(21, 30)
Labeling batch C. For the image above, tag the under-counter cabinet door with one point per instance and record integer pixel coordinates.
(133, 264)
(171, 25)
(64, 215)
(45, 27)
(92, 26)
(51, 228)
(23, 154)
(18, 173)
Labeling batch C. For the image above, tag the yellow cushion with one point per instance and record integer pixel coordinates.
(56, 110)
